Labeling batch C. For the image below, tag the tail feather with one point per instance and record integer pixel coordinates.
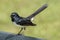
(38, 11)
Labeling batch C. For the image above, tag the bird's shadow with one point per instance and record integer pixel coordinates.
(10, 36)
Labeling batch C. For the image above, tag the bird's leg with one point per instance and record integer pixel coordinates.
(23, 31)
(20, 31)
(24, 28)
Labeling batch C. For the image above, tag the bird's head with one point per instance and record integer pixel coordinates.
(14, 14)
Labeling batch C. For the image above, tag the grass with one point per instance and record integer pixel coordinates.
(48, 21)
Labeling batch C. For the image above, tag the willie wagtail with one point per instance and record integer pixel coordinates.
(25, 21)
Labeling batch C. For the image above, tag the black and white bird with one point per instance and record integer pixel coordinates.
(22, 21)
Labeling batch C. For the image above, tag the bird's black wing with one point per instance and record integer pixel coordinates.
(38, 11)
(25, 22)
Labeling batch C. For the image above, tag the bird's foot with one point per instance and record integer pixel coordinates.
(19, 34)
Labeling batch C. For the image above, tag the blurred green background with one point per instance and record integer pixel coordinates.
(48, 21)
